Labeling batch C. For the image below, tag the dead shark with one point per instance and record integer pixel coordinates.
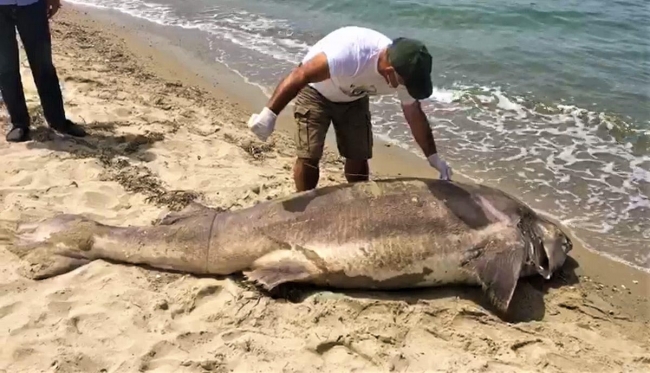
(383, 234)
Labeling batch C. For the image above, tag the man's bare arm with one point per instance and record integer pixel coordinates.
(312, 71)
(420, 128)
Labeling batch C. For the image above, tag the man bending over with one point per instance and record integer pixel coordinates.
(333, 84)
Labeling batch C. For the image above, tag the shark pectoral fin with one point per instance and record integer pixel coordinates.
(280, 267)
(498, 274)
(272, 275)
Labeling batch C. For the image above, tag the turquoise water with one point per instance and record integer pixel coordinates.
(547, 100)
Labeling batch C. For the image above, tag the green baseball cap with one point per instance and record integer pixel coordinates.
(412, 61)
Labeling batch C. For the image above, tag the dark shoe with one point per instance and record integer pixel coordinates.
(70, 128)
(18, 134)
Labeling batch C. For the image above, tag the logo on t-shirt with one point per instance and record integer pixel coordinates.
(362, 90)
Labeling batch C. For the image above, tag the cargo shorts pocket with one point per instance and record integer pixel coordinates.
(301, 116)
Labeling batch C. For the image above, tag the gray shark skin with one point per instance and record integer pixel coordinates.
(386, 234)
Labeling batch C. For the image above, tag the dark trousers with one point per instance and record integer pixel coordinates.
(34, 29)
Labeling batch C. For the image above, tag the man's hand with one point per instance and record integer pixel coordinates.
(262, 124)
(441, 165)
(52, 7)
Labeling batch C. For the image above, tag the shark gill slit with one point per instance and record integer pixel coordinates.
(207, 251)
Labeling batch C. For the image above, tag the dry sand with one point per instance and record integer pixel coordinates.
(157, 143)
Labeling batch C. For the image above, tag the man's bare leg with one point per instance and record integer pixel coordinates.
(306, 174)
(356, 170)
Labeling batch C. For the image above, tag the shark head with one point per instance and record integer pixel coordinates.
(548, 246)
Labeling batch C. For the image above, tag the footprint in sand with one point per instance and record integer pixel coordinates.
(122, 112)
(22, 353)
(21, 179)
(99, 199)
(193, 340)
(8, 309)
(160, 355)
(76, 362)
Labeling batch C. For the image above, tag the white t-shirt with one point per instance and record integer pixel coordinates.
(352, 53)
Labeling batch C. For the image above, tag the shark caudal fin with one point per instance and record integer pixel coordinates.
(53, 246)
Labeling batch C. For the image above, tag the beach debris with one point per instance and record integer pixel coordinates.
(162, 305)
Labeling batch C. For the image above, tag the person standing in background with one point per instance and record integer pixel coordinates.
(31, 19)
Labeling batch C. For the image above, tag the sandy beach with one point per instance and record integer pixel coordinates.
(162, 134)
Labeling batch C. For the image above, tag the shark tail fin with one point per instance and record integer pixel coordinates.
(51, 247)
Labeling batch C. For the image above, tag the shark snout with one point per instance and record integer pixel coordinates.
(552, 248)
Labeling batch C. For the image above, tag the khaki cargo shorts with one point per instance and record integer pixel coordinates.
(314, 113)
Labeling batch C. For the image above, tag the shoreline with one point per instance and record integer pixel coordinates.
(144, 99)
(389, 160)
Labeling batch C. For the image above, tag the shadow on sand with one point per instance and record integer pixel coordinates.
(527, 303)
(101, 142)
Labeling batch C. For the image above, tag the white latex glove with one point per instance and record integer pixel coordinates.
(441, 165)
(262, 124)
